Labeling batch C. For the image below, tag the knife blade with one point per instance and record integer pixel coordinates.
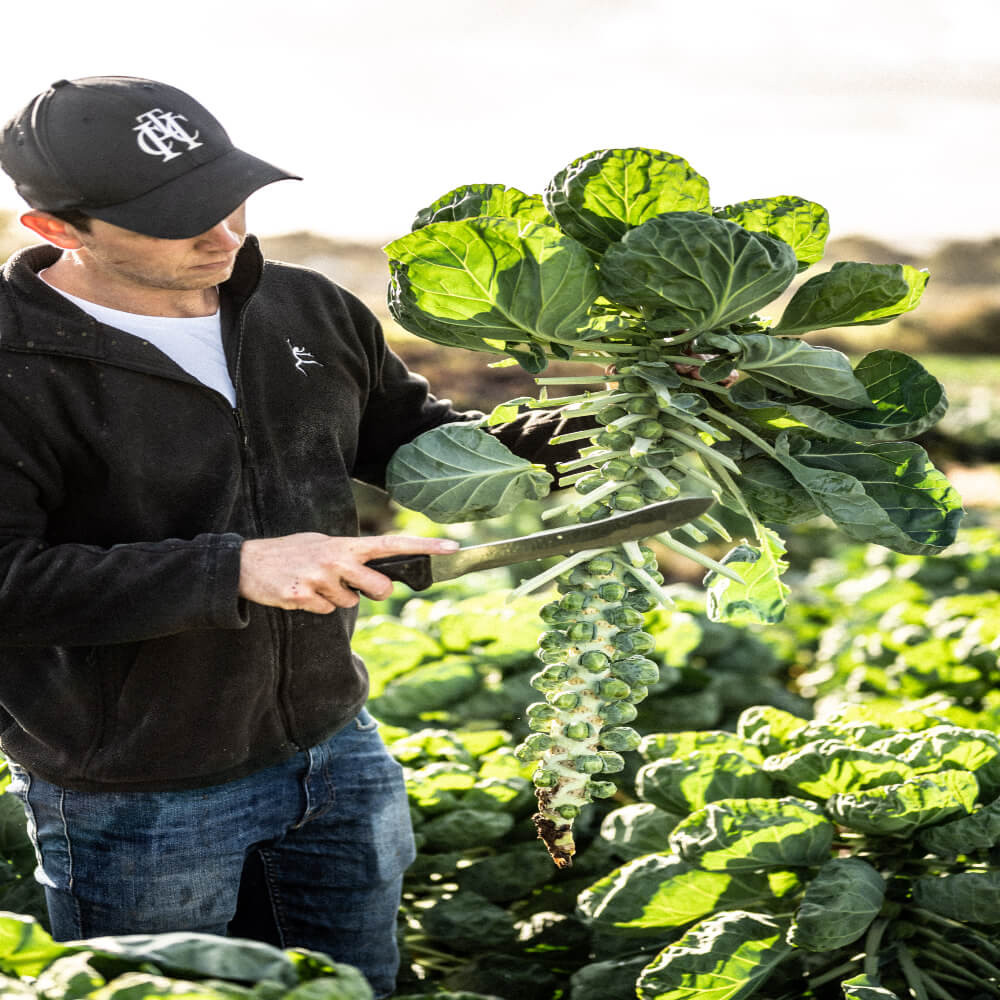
(419, 571)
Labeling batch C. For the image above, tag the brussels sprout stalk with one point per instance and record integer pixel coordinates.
(624, 262)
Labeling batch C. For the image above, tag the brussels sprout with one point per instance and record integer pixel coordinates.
(617, 712)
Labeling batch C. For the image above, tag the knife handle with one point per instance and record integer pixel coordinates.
(413, 570)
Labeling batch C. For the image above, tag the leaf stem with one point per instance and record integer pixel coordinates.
(699, 557)
(942, 958)
(539, 580)
(593, 458)
(744, 431)
(912, 974)
(873, 940)
(573, 379)
(695, 444)
(835, 973)
(936, 989)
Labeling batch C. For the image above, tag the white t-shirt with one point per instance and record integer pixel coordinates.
(194, 343)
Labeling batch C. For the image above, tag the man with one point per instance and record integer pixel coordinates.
(179, 550)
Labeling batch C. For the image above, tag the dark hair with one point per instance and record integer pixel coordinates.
(75, 218)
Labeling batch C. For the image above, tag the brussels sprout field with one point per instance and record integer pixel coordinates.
(624, 265)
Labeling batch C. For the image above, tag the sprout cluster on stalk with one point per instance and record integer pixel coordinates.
(624, 264)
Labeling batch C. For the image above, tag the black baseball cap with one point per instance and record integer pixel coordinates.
(133, 152)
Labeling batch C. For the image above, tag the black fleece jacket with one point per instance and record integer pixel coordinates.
(127, 658)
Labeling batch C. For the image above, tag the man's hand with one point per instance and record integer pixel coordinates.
(319, 573)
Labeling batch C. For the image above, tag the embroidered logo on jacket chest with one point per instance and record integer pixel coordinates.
(302, 357)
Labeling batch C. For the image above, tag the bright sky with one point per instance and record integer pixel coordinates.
(885, 111)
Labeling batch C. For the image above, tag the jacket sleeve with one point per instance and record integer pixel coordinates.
(70, 594)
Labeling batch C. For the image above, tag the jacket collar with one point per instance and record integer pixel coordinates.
(36, 318)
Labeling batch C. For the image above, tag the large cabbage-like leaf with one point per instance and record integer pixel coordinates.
(820, 372)
(458, 472)
(802, 224)
(660, 891)
(905, 400)
(638, 828)
(825, 767)
(600, 196)
(964, 896)
(853, 294)
(973, 750)
(473, 200)
(977, 832)
(845, 896)
(887, 492)
(726, 957)
(485, 282)
(900, 810)
(683, 784)
(772, 493)
(710, 742)
(695, 271)
(745, 834)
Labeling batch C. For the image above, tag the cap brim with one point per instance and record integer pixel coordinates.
(197, 200)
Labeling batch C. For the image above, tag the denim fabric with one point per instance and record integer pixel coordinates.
(309, 853)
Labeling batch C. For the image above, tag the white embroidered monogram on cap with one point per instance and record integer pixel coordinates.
(157, 129)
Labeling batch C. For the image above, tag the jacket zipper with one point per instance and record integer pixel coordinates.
(279, 629)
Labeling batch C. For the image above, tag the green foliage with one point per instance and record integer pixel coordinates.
(142, 967)
(871, 874)
(459, 472)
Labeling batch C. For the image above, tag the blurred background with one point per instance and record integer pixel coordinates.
(886, 113)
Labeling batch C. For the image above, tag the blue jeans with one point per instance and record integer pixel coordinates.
(309, 853)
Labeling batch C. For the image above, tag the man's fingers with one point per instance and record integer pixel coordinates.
(389, 545)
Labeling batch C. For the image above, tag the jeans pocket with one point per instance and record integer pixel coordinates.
(364, 723)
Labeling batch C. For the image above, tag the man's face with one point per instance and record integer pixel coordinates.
(148, 262)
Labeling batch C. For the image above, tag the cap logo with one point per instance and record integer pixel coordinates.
(159, 130)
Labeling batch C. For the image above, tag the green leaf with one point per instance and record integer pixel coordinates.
(660, 891)
(25, 947)
(458, 472)
(772, 493)
(971, 896)
(638, 828)
(711, 742)
(888, 492)
(602, 195)
(681, 785)
(463, 829)
(390, 649)
(866, 987)
(473, 200)
(825, 767)
(900, 810)
(819, 371)
(945, 747)
(695, 271)
(745, 834)
(906, 400)
(195, 955)
(426, 689)
(726, 957)
(770, 728)
(978, 832)
(802, 224)
(485, 282)
(853, 294)
(762, 597)
(839, 904)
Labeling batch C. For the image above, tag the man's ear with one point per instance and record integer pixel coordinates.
(51, 229)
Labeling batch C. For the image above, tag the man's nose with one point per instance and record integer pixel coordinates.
(225, 235)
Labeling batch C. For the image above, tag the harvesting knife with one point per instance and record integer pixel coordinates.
(420, 571)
